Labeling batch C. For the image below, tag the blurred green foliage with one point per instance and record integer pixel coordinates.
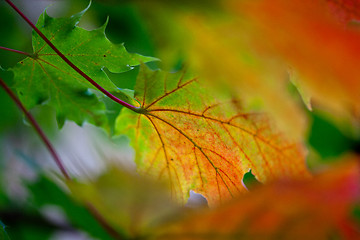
(12, 36)
(250, 181)
(9, 113)
(327, 139)
(45, 192)
(3, 234)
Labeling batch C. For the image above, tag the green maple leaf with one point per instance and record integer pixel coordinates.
(45, 78)
(199, 139)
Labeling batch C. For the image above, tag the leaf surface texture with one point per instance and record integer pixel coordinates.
(200, 140)
(45, 78)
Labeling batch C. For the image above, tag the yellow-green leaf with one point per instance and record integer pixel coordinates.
(131, 204)
(200, 139)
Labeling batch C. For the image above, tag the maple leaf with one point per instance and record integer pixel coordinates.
(315, 209)
(257, 80)
(242, 44)
(44, 78)
(217, 45)
(197, 138)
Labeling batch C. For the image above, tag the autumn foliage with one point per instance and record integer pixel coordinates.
(250, 81)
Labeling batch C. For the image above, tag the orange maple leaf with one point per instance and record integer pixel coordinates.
(197, 139)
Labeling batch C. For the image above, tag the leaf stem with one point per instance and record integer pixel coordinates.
(15, 51)
(37, 129)
(97, 215)
(84, 75)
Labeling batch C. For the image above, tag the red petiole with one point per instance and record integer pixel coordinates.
(57, 159)
(84, 75)
(37, 129)
(15, 51)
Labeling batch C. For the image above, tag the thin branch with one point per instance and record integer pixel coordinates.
(37, 129)
(15, 51)
(84, 75)
(97, 215)
(101, 220)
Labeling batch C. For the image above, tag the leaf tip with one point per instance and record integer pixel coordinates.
(103, 27)
(60, 120)
(78, 16)
(87, 8)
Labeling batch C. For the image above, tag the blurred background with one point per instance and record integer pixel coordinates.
(87, 150)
